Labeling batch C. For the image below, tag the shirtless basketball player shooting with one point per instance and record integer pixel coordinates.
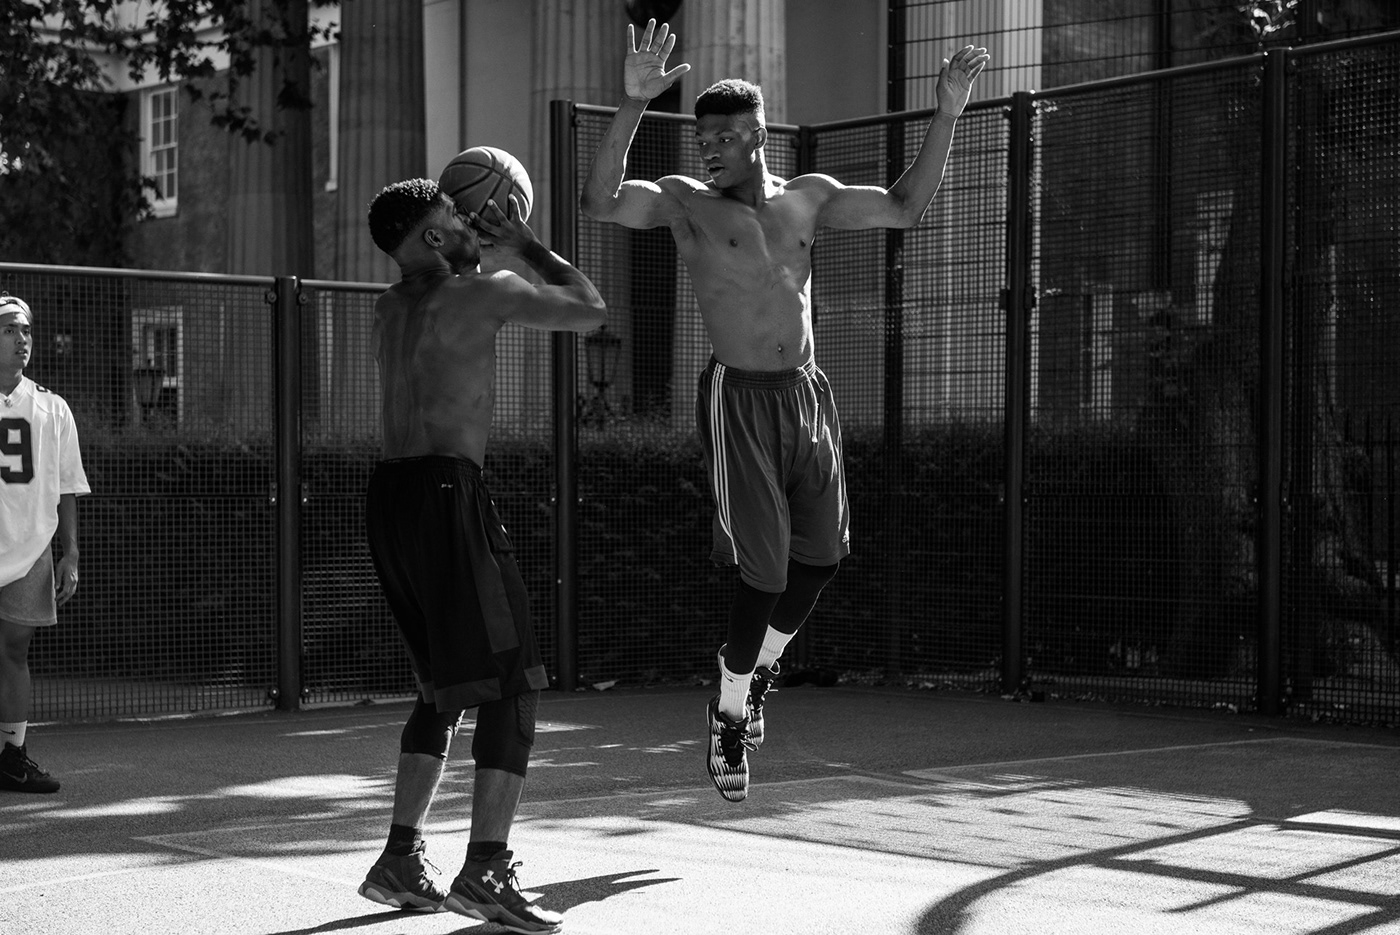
(441, 553)
(765, 412)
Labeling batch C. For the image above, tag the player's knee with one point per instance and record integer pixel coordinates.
(505, 733)
(811, 575)
(429, 731)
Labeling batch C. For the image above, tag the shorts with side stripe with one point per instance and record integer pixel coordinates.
(772, 443)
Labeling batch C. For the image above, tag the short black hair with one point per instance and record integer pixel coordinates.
(728, 97)
(399, 208)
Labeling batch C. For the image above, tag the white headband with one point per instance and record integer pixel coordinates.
(12, 304)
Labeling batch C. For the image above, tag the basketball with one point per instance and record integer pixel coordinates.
(485, 173)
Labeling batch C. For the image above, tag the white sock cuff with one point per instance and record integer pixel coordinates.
(733, 692)
(774, 642)
(12, 732)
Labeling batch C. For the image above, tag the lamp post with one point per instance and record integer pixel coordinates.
(601, 349)
(147, 382)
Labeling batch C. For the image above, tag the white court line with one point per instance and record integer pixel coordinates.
(939, 770)
(78, 879)
(160, 841)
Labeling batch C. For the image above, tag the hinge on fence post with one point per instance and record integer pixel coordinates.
(272, 493)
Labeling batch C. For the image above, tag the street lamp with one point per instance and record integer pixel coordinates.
(601, 349)
(147, 382)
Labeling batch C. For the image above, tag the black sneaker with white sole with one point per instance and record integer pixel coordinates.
(759, 686)
(489, 890)
(18, 773)
(403, 882)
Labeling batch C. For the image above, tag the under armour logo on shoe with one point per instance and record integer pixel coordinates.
(490, 880)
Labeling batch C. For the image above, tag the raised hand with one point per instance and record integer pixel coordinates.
(955, 80)
(644, 74)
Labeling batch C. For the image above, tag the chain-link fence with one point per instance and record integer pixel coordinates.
(1341, 393)
(1118, 416)
(170, 380)
(1137, 557)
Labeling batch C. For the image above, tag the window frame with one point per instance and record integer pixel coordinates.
(165, 205)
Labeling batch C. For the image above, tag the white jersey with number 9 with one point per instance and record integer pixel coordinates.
(39, 462)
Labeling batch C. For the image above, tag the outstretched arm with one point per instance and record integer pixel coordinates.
(606, 197)
(567, 301)
(904, 203)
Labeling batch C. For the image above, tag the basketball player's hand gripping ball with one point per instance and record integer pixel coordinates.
(502, 230)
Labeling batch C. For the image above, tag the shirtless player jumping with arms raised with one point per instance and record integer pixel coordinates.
(765, 412)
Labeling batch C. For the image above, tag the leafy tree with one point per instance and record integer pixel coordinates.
(63, 201)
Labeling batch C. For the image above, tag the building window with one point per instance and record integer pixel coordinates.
(160, 116)
(1213, 214)
(1096, 356)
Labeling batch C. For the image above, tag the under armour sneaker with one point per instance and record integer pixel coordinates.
(18, 773)
(728, 760)
(489, 890)
(759, 686)
(403, 882)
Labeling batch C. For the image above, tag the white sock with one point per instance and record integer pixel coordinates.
(12, 732)
(733, 693)
(774, 642)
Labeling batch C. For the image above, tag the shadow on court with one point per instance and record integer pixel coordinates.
(871, 810)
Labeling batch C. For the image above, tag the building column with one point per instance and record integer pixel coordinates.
(382, 124)
(270, 227)
(735, 39)
(579, 49)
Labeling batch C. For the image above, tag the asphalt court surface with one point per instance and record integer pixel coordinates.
(871, 810)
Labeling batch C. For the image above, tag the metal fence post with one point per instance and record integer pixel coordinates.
(1269, 548)
(564, 348)
(1017, 403)
(806, 143)
(893, 447)
(287, 301)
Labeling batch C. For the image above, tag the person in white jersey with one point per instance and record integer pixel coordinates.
(41, 477)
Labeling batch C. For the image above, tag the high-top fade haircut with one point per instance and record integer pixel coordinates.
(399, 208)
(728, 97)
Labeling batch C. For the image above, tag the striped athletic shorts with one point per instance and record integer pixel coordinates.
(773, 447)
